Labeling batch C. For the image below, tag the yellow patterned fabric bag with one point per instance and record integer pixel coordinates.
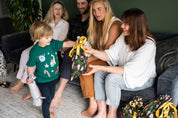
(159, 107)
(133, 109)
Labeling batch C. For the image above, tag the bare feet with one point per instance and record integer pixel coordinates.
(52, 115)
(112, 113)
(101, 109)
(89, 112)
(55, 102)
(91, 109)
(27, 96)
(16, 88)
(100, 115)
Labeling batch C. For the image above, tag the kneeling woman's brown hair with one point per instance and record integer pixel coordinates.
(138, 28)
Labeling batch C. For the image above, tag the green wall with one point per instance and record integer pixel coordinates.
(162, 15)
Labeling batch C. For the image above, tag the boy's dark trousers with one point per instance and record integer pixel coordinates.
(47, 90)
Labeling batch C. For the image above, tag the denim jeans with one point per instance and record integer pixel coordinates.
(108, 87)
(47, 90)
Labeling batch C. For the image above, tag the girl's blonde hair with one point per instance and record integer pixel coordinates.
(40, 29)
(97, 30)
(50, 16)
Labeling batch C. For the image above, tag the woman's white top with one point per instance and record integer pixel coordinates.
(139, 66)
(60, 30)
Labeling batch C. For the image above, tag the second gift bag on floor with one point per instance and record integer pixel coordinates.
(161, 107)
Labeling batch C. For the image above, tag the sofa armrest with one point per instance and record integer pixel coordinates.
(13, 45)
(168, 83)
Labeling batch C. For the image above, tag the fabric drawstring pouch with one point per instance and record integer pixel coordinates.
(159, 107)
(79, 58)
(3, 66)
(3, 71)
(133, 109)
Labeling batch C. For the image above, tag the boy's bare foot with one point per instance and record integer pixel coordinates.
(55, 102)
(16, 88)
(52, 115)
(27, 96)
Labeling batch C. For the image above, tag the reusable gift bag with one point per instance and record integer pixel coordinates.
(3, 71)
(3, 66)
(133, 109)
(160, 106)
(79, 58)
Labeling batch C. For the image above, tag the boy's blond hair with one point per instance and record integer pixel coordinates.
(40, 29)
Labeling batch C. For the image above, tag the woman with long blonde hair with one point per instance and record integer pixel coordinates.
(104, 29)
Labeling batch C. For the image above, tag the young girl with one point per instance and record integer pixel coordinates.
(43, 55)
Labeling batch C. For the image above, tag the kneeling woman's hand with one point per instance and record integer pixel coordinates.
(95, 68)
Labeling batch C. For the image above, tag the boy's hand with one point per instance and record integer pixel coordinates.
(29, 81)
(78, 38)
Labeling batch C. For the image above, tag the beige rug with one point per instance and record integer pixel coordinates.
(12, 105)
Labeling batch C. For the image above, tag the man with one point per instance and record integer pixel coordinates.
(78, 26)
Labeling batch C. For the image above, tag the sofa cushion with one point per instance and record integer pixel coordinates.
(146, 94)
(16, 54)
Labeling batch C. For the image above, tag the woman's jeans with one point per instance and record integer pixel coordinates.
(108, 87)
(47, 90)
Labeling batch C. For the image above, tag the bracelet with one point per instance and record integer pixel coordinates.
(105, 69)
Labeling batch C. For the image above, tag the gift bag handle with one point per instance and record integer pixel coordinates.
(165, 110)
(78, 46)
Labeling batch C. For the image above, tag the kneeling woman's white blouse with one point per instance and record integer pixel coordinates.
(139, 66)
(60, 30)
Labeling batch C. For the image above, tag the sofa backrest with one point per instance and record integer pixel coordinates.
(6, 27)
(166, 52)
(13, 45)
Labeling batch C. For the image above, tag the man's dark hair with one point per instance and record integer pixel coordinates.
(89, 1)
